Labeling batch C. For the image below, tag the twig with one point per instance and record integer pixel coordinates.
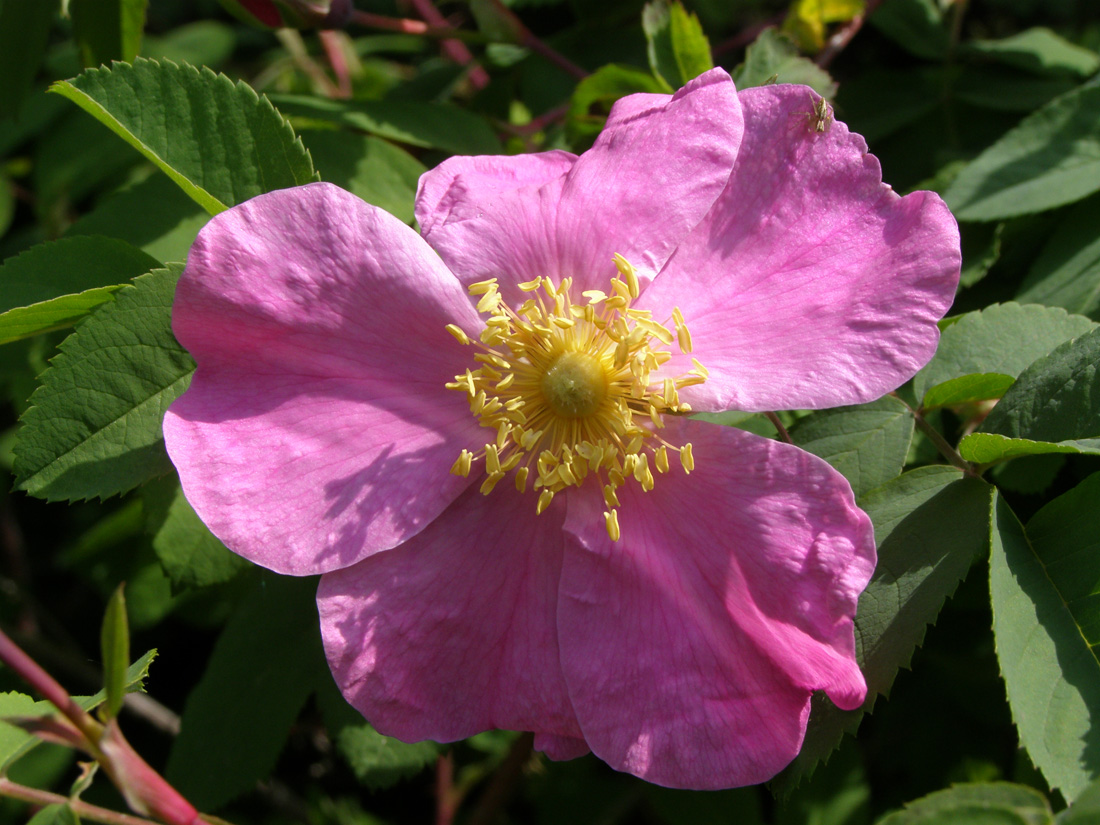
(80, 808)
(945, 449)
(446, 801)
(503, 782)
(528, 40)
(292, 42)
(454, 49)
(839, 41)
(332, 43)
(779, 428)
(746, 36)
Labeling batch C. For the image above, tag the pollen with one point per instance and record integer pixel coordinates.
(574, 391)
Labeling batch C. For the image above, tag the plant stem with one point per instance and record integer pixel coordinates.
(454, 49)
(945, 449)
(503, 782)
(81, 809)
(779, 428)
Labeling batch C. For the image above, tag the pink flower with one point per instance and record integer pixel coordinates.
(352, 415)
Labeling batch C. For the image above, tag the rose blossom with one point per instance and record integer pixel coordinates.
(479, 436)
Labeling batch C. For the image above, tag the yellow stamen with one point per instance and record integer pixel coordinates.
(574, 389)
(612, 520)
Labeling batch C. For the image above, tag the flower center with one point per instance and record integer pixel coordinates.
(575, 384)
(571, 389)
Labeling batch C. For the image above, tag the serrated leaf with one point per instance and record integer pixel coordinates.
(866, 444)
(930, 525)
(967, 389)
(378, 761)
(114, 643)
(1067, 271)
(263, 668)
(219, 141)
(1038, 50)
(14, 742)
(95, 425)
(55, 284)
(1002, 339)
(378, 172)
(773, 54)
(1051, 158)
(1085, 810)
(24, 33)
(1045, 628)
(1056, 398)
(431, 125)
(986, 448)
(107, 30)
(677, 48)
(189, 553)
(989, 803)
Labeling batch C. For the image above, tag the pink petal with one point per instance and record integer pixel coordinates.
(692, 646)
(317, 429)
(810, 283)
(650, 177)
(454, 632)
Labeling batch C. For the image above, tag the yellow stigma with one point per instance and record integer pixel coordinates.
(574, 389)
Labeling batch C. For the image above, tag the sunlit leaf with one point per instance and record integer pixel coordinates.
(219, 141)
(95, 425)
(1046, 622)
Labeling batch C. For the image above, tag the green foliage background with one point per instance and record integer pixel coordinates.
(979, 631)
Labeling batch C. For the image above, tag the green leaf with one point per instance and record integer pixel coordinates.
(169, 219)
(986, 448)
(1056, 398)
(1067, 271)
(107, 30)
(930, 525)
(980, 386)
(1085, 810)
(773, 54)
(1002, 339)
(594, 96)
(1051, 158)
(1045, 621)
(55, 814)
(378, 761)
(431, 125)
(95, 425)
(190, 554)
(989, 803)
(381, 761)
(1039, 51)
(202, 43)
(677, 48)
(24, 33)
(915, 25)
(14, 742)
(867, 444)
(114, 642)
(221, 143)
(54, 285)
(263, 668)
(377, 171)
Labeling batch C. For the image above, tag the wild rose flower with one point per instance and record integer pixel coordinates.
(479, 436)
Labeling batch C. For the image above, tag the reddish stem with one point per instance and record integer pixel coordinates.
(82, 809)
(454, 49)
(528, 40)
(331, 42)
